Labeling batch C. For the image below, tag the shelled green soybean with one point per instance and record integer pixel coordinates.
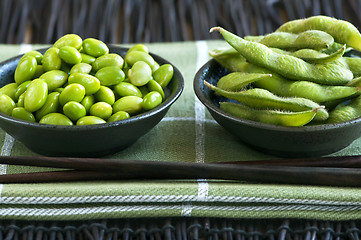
(310, 79)
(79, 82)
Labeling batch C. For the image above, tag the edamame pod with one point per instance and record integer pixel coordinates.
(313, 56)
(342, 31)
(291, 119)
(312, 39)
(262, 99)
(229, 58)
(236, 81)
(35, 95)
(346, 111)
(286, 65)
(288, 88)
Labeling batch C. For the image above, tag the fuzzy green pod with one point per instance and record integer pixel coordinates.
(342, 31)
(286, 65)
(275, 117)
(259, 98)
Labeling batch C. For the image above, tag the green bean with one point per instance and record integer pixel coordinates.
(7, 104)
(120, 115)
(51, 105)
(74, 110)
(102, 110)
(10, 90)
(293, 119)
(56, 119)
(287, 65)
(90, 120)
(51, 59)
(94, 47)
(236, 81)
(25, 69)
(262, 99)
(72, 40)
(313, 39)
(35, 95)
(21, 113)
(342, 31)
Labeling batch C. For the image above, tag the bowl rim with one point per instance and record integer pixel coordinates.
(198, 82)
(174, 95)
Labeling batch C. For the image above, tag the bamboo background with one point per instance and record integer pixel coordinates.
(129, 21)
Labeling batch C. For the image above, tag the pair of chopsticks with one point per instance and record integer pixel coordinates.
(332, 171)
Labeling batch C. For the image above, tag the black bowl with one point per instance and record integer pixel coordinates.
(306, 141)
(91, 140)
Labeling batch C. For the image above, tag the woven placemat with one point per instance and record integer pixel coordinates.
(182, 228)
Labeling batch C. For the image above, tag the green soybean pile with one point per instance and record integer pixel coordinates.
(296, 76)
(79, 82)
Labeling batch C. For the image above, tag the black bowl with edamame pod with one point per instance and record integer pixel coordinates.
(305, 141)
(89, 140)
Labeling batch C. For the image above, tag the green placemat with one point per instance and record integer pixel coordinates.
(189, 134)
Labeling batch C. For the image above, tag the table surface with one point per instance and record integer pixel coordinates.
(188, 133)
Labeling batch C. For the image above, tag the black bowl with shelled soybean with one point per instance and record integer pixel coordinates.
(94, 140)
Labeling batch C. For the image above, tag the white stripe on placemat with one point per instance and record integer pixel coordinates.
(199, 111)
(9, 140)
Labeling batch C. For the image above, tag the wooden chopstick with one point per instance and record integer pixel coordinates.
(107, 169)
(103, 164)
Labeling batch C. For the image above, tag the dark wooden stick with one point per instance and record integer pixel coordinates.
(138, 170)
(103, 164)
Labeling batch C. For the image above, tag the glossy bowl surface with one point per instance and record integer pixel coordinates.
(92, 140)
(307, 141)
